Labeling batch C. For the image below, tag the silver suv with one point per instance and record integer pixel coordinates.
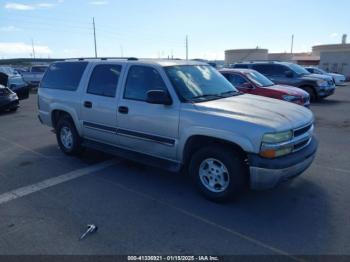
(177, 114)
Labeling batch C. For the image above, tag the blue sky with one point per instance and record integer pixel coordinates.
(157, 28)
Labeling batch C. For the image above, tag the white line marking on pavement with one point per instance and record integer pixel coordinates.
(206, 221)
(27, 190)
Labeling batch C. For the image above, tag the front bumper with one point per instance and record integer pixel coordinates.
(268, 173)
(326, 92)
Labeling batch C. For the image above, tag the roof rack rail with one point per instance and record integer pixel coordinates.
(102, 58)
(260, 61)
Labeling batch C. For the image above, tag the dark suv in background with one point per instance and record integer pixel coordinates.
(318, 86)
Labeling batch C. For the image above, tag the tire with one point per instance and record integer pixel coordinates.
(311, 92)
(14, 109)
(67, 136)
(214, 184)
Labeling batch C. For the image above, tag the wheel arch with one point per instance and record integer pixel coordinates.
(195, 142)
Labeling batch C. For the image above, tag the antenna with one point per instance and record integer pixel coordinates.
(93, 23)
(186, 47)
(292, 46)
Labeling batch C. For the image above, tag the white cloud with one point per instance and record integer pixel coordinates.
(9, 28)
(99, 2)
(20, 49)
(16, 6)
(334, 35)
(26, 7)
(45, 5)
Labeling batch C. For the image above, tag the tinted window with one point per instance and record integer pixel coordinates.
(142, 79)
(64, 75)
(271, 70)
(240, 66)
(104, 80)
(236, 80)
(311, 70)
(39, 69)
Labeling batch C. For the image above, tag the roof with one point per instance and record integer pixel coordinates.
(236, 70)
(160, 62)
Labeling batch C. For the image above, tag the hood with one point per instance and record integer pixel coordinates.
(336, 75)
(315, 77)
(289, 90)
(272, 113)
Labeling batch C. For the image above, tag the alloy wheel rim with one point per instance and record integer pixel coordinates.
(214, 175)
(66, 136)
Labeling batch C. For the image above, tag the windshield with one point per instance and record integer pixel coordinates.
(298, 69)
(16, 80)
(7, 70)
(199, 82)
(259, 79)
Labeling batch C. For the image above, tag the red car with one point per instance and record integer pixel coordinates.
(252, 82)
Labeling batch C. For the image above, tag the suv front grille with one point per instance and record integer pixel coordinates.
(301, 131)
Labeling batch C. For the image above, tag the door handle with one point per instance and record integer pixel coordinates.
(88, 104)
(123, 110)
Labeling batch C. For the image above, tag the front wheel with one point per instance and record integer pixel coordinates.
(218, 172)
(311, 92)
(67, 136)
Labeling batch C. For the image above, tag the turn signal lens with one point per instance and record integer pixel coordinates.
(273, 153)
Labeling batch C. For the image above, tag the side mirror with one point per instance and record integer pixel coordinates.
(158, 97)
(289, 74)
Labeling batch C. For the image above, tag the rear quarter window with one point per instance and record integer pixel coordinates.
(64, 76)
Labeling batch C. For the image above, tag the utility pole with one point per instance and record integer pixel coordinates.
(186, 47)
(93, 23)
(33, 49)
(292, 46)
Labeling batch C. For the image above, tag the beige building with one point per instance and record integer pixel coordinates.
(239, 55)
(334, 58)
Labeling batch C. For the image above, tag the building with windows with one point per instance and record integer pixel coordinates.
(334, 58)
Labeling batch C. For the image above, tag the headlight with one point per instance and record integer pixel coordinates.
(272, 138)
(322, 83)
(271, 147)
(290, 98)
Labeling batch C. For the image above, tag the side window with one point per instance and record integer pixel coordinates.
(264, 69)
(64, 76)
(236, 80)
(311, 70)
(279, 70)
(142, 79)
(240, 66)
(104, 80)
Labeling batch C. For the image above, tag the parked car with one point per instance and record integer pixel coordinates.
(14, 81)
(34, 75)
(337, 78)
(252, 82)
(284, 73)
(8, 99)
(175, 115)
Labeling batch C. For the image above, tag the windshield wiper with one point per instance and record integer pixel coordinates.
(229, 93)
(210, 96)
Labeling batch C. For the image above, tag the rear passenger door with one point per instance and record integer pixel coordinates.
(142, 127)
(99, 104)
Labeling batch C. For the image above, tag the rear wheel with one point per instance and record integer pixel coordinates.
(311, 92)
(218, 172)
(67, 136)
